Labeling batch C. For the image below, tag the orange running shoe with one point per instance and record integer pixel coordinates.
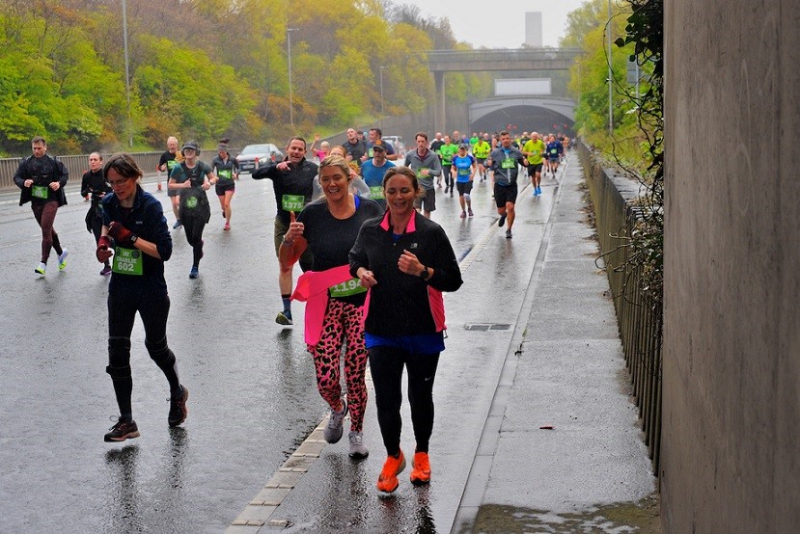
(387, 481)
(421, 473)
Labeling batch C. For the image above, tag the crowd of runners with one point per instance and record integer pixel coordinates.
(358, 222)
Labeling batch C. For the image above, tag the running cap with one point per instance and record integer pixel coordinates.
(378, 145)
(463, 145)
(191, 145)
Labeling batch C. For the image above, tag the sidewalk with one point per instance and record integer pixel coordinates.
(561, 450)
(534, 429)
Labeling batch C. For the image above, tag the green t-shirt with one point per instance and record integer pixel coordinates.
(481, 150)
(447, 152)
(536, 151)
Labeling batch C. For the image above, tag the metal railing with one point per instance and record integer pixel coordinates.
(640, 323)
(77, 165)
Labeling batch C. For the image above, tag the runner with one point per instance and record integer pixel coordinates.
(373, 171)
(446, 152)
(94, 183)
(335, 307)
(426, 164)
(465, 166)
(481, 151)
(167, 162)
(293, 183)
(193, 178)
(41, 179)
(406, 261)
(374, 135)
(227, 170)
(554, 151)
(135, 221)
(533, 151)
(504, 161)
(355, 146)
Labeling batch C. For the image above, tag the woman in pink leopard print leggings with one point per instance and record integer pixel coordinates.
(334, 311)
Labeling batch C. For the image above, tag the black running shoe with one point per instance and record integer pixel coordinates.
(502, 221)
(122, 430)
(177, 408)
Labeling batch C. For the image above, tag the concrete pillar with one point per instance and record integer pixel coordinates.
(440, 124)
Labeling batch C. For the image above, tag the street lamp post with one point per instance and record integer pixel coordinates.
(610, 75)
(289, 57)
(381, 76)
(127, 75)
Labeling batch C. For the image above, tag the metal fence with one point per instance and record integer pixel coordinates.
(640, 325)
(77, 165)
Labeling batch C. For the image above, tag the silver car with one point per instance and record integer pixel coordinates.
(253, 157)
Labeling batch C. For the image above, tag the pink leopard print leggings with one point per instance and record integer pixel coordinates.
(342, 320)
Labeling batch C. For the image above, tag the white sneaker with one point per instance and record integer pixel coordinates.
(41, 269)
(334, 429)
(357, 448)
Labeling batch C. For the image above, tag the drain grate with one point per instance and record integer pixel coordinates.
(485, 327)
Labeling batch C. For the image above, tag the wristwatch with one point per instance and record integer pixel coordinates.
(425, 274)
(134, 238)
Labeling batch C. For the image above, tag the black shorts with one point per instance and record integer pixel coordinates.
(427, 202)
(464, 188)
(480, 161)
(220, 188)
(504, 194)
(533, 168)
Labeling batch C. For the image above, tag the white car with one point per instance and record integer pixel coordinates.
(397, 143)
(256, 156)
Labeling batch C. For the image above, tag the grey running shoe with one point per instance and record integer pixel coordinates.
(357, 449)
(508, 234)
(284, 318)
(177, 408)
(122, 430)
(334, 430)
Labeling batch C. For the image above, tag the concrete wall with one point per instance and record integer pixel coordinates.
(731, 435)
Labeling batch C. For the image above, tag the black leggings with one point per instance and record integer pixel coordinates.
(154, 312)
(386, 365)
(193, 227)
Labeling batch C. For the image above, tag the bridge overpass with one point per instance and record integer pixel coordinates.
(523, 59)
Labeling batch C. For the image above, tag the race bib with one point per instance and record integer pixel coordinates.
(225, 174)
(419, 173)
(128, 261)
(347, 289)
(463, 172)
(40, 191)
(508, 163)
(171, 165)
(293, 202)
(191, 203)
(553, 151)
(376, 191)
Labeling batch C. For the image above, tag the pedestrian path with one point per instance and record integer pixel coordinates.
(534, 428)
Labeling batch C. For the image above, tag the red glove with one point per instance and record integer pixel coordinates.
(120, 234)
(103, 252)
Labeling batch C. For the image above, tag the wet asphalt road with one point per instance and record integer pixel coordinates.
(253, 397)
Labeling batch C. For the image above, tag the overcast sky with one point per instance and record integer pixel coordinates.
(498, 24)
